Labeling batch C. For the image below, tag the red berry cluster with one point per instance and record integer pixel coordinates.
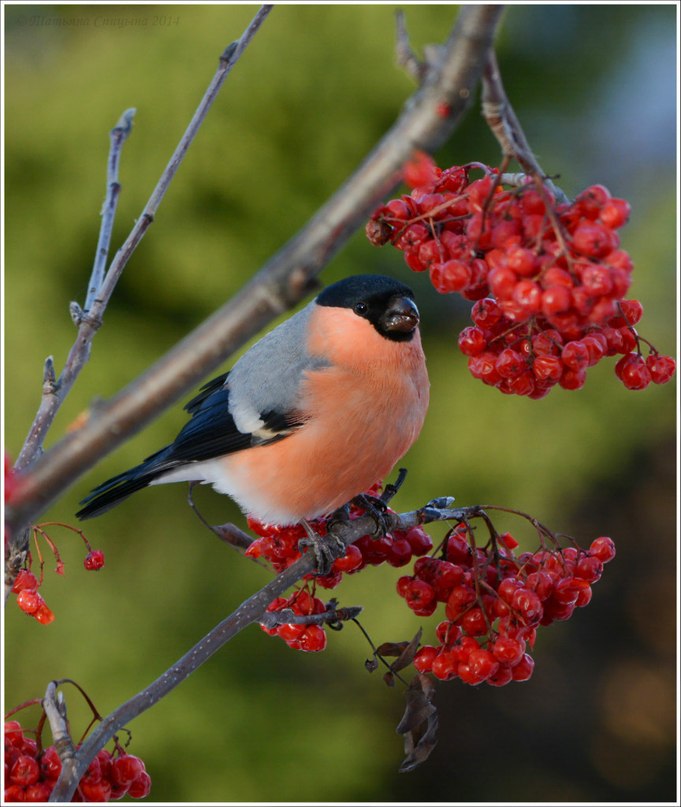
(26, 584)
(29, 600)
(309, 638)
(549, 278)
(31, 772)
(279, 545)
(494, 603)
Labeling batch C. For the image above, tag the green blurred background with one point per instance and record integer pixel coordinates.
(595, 89)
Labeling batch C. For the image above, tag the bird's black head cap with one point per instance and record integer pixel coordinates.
(385, 302)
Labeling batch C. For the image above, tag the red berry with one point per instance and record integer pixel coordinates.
(573, 379)
(661, 368)
(547, 369)
(472, 341)
(419, 541)
(50, 763)
(14, 793)
(502, 281)
(288, 632)
(14, 735)
(615, 213)
(444, 665)
(603, 548)
(94, 560)
(589, 568)
(29, 600)
(501, 677)
(313, 639)
(597, 279)
(95, 791)
(591, 201)
(450, 276)
(400, 553)
(40, 791)
(482, 664)
(141, 787)
(633, 372)
(575, 355)
(522, 261)
(523, 670)
(584, 597)
(486, 313)
(473, 622)
(25, 580)
(351, 561)
(528, 605)
(510, 363)
(459, 600)
(592, 239)
(630, 314)
(25, 771)
(508, 650)
(596, 345)
(484, 367)
(528, 295)
(43, 614)
(423, 660)
(125, 769)
(420, 595)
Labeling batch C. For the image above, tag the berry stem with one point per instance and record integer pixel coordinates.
(378, 655)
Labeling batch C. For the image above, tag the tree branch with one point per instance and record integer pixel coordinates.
(101, 286)
(502, 120)
(283, 281)
(250, 611)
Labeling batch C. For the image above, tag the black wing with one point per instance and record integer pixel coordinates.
(210, 433)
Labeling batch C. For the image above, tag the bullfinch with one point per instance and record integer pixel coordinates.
(312, 415)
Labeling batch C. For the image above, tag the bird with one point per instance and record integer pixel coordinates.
(311, 416)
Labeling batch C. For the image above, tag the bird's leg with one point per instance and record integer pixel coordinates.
(326, 548)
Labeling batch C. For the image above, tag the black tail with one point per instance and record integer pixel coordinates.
(118, 488)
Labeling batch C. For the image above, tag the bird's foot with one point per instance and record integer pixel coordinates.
(326, 548)
(377, 509)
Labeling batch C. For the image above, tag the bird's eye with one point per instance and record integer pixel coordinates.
(360, 309)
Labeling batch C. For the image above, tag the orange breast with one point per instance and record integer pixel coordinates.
(364, 412)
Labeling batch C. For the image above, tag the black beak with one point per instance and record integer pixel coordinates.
(402, 316)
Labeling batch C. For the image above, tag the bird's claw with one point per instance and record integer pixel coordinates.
(377, 509)
(325, 548)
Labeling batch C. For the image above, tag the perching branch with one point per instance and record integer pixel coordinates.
(250, 611)
(283, 281)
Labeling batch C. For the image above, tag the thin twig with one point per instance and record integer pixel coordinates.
(404, 54)
(286, 616)
(54, 707)
(250, 611)
(119, 135)
(502, 120)
(283, 281)
(229, 533)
